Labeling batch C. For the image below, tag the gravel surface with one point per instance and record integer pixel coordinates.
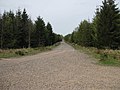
(63, 68)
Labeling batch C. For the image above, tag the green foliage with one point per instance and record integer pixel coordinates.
(25, 51)
(108, 25)
(103, 32)
(67, 38)
(23, 33)
(21, 52)
(49, 34)
(40, 32)
(82, 35)
(18, 31)
(110, 62)
(104, 57)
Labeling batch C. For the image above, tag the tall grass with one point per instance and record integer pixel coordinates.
(105, 57)
(25, 51)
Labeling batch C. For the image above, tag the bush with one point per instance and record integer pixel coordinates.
(103, 56)
(21, 52)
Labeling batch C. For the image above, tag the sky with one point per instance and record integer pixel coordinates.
(64, 15)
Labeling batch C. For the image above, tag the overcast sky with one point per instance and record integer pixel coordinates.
(64, 15)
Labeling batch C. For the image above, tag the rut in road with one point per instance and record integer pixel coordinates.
(63, 68)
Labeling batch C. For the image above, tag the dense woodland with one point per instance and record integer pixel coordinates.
(104, 30)
(19, 31)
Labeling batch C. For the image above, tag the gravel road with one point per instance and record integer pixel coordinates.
(63, 68)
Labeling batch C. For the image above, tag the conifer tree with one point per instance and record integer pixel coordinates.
(1, 32)
(18, 27)
(23, 35)
(50, 37)
(108, 25)
(40, 32)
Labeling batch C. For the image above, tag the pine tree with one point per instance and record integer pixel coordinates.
(30, 28)
(108, 25)
(23, 33)
(11, 30)
(6, 30)
(94, 28)
(1, 32)
(40, 32)
(49, 34)
(72, 37)
(18, 27)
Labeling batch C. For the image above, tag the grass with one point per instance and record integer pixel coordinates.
(105, 57)
(25, 51)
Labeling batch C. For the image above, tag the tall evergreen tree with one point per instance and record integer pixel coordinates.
(18, 27)
(94, 28)
(23, 33)
(108, 25)
(1, 32)
(40, 32)
(12, 39)
(30, 29)
(6, 30)
(50, 35)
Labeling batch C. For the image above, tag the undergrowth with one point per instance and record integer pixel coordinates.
(25, 51)
(105, 57)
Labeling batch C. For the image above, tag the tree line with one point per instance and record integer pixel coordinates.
(17, 30)
(104, 30)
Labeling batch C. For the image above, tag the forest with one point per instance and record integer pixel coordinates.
(103, 32)
(17, 30)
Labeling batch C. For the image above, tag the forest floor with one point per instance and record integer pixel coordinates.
(62, 68)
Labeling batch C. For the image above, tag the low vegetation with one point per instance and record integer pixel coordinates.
(25, 51)
(105, 57)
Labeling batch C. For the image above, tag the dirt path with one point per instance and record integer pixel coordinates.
(60, 69)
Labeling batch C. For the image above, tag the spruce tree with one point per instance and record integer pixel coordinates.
(1, 32)
(50, 37)
(23, 40)
(11, 30)
(40, 32)
(30, 29)
(6, 30)
(108, 25)
(18, 27)
(94, 28)
(114, 24)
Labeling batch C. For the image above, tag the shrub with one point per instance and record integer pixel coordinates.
(103, 56)
(21, 52)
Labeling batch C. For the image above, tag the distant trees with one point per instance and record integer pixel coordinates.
(18, 31)
(103, 32)
(83, 35)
